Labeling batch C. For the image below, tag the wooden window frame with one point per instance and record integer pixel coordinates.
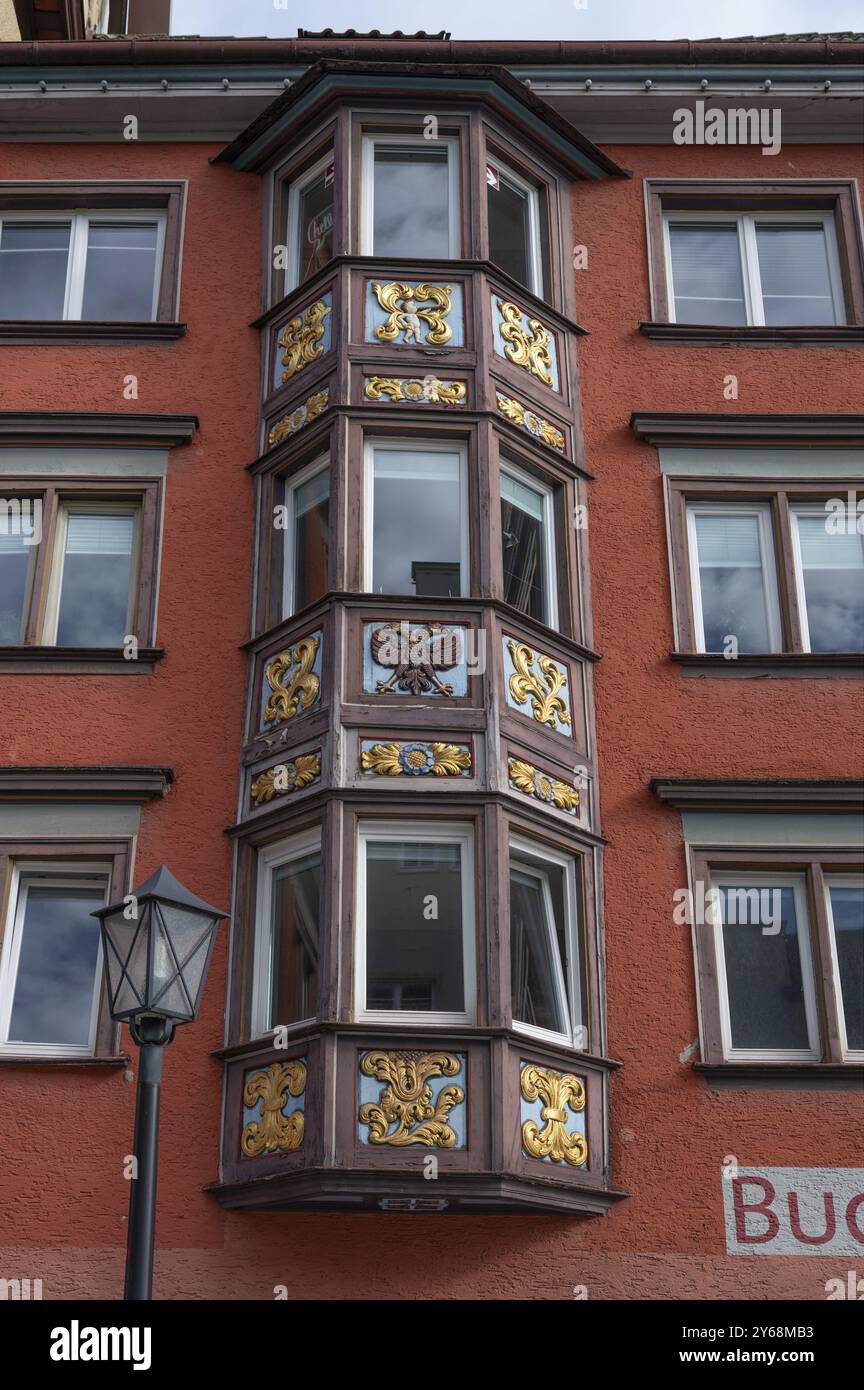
(290, 484)
(371, 138)
(294, 188)
(538, 220)
(546, 489)
(400, 443)
(293, 845)
(571, 985)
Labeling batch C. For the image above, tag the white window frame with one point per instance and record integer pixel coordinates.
(840, 879)
(273, 857)
(402, 445)
(547, 493)
(529, 857)
(321, 464)
(728, 878)
(367, 197)
(767, 554)
(534, 248)
(296, 189)
(749, 257)
(54, 874)
(32, 553)
(76, 264)
(450, 833)
(796, 510)
(57, 559)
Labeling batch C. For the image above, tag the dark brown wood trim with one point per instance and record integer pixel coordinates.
(121, 1059)
(709, 334)
(82, 783)
(68, 661)
(756, 665)
(105, 427)
(682, 427)
(782, 1076)
(733, 794)
(71, 332)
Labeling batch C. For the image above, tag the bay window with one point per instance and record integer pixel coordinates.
(411, 197)
(416, 524)
(310, 222)
(287, 932)
(513, 214)
(528, 545)
(545, 967)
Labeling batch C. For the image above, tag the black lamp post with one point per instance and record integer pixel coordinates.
(157, 945)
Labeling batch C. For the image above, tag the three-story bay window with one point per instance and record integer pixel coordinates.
(416, 518)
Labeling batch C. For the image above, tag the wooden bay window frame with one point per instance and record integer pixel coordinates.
(270, 857)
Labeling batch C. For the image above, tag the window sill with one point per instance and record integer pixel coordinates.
(758, 665)
(708, 334)
(25, 331)
(10, 1059)
(92, 661)
(783, 1076)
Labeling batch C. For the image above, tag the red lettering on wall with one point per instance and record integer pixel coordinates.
(763, 1207)
(830, 1220)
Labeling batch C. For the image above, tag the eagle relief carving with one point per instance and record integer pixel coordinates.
(415, 655)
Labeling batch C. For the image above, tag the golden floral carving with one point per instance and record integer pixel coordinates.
(545, 788)
(300, 339)
(429, 389)
(302, 689)
(285, 777)
(394, 759)
(275, 1132)
(401, 303)
(541, 689)
(528, 420)
(407, 1100)
(303, 415)
(529, 349)
(558, 1091)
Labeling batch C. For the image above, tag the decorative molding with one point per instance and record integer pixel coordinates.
(407, 1110)
(302, 415)
(415, 655)
(114, 783)
(293, 684)
(301, 338)
(526, 342)
(681, 427)
(545, 788)
(87, 427)
(431, 390)
(22, 332)
(275, 1131)
(416, 759)
(734, 794)
(558, 1091)
(539, 680)
(717, 335)
(401, 303)
(289, 776)
(526, 419)
(66, 661)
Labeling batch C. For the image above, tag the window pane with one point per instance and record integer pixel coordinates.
(311, 535)
(33, 261)
(706, 274)
(121, 266)
(538, 946)
(793, 267)
(315, 226)
(847, 912)
(509, 228)
(296, 891)
(412, 203)
(522, 546)
(763, 967)
(94, 595)
(417, 530)
(832, 568)
(414, 926)
(14, 567)
(732, 583)
(56, 973)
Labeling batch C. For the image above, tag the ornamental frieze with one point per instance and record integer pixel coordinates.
(292, 681)
(551, 1102)
(416, 759)
(278, 1125)
(428, 390)
(532, 782)
(405, 1100)
(524, 341)
(303, 339)
(537, 686)
(289, 776)
(304, 414)
(527, 420)
(402, 658)
(414, 315)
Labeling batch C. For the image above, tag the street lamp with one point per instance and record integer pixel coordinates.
(157, 945)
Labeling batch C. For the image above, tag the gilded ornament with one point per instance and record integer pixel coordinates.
(302, 688)
(401, 302)
(558, 1091)
(529, 349)
(550, 789)
(429, 389)
(407, 1102)
(303, 415)
(275, 1132)
(540, 686)
(527, 420)
(394, 759)
(284, 777)
(416, 658)
(301, 337)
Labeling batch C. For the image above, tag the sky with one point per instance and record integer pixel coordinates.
(504, 19)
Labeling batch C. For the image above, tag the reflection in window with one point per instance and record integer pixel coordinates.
(706, 274)
(33, 262)
(411, 201)
(419, 523)
(544, 966)
(16, 561)
(308, 540)
(94, 586)
(120, 274)
(514, 233)
(295, 904)
(733, 567)
(766, 961)
(526, 547)
(310, 223)
(846, 904)
(97, 268)
(832, 579)
(794, 274)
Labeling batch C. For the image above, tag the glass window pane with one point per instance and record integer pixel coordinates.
(414, 957)
(56, 974)
(523, 547)
(121, 267)
(706, 273)
(314, 226)
(94, 594)
(412, 203)
(510, 228)
(16, 528)
(793, 267)
(33, 262)
(847, 913)
(763, 967)
(538, 946)
(311, 537)
(417, 535)
(732, 582)
(296, 889)
(832, 566)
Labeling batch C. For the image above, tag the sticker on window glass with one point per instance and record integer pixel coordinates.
(492, 176)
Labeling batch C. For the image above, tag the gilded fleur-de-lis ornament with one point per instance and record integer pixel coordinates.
(274, 1132)
(560, 1092)
(528, 348)
(538, 679)
(292, 681)
(301, 339)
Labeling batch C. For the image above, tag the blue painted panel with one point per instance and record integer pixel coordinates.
(526, 709)
(325, 342)
(409, 329)
(455, 676)
(266, 690)
(500, 344)
(371, 1090)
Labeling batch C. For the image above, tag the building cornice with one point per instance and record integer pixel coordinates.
(95, 783)
(682, 427)
(731, 794)
(88, 427)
